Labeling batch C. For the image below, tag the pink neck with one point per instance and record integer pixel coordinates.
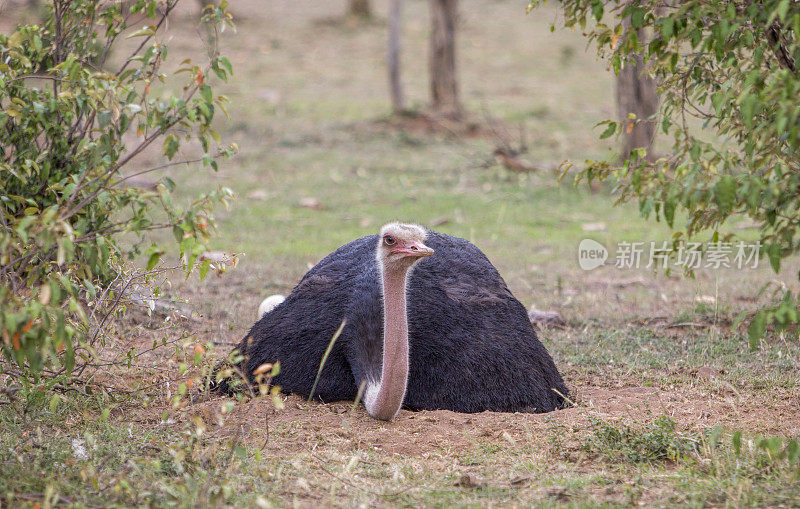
(394, 372)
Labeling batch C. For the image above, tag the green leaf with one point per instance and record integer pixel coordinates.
(143, 32)
(171, 145)
(16, 39)
(747, 107)
(206, 93)
(103, 118)
(669, 211)
(226, 63)
(610, 130)
(153, 260)
(597, 10)
(204, 268)
(775, 254)
(783, 9)
(69, 355)
(756, 329)
(637, 17)
(667, 27)
(725, 194)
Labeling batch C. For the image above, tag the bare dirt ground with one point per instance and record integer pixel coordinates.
(700, 403)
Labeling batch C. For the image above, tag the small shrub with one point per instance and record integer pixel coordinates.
(72, 124)
(658, 442)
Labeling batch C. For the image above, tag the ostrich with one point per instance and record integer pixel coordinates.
(425, 321)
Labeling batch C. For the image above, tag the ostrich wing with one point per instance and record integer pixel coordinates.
(472, 345)
(298, 331)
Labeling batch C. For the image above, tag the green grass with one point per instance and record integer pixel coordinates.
(657, 442)
(615, 465)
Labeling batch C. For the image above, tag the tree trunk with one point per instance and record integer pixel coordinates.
(636, 94)
(444, 83)
(359, 9)
(393, 56)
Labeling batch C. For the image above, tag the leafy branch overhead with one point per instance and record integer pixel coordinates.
(75, 117)
(729, 88)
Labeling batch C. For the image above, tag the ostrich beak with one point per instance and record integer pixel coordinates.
(416, 249)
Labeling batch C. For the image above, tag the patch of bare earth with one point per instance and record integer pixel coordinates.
(699, 401)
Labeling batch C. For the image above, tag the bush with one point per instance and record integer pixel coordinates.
(72, 119)
(735, 67)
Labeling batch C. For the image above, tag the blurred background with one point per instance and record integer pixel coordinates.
(328, 154)
(467, 138)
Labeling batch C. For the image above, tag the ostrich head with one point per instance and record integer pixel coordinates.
(401, 245)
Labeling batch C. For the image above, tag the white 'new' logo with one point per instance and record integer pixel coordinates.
(591, 254)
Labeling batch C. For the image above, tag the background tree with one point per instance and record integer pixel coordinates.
(637, 102)
(359, 9)
(729, 90)
(393, 56)
(443, 77)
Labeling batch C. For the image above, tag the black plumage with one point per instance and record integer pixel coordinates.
(472, 346)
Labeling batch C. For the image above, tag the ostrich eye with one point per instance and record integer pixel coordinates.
(389, 240)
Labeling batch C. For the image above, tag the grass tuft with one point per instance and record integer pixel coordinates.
(656, 441)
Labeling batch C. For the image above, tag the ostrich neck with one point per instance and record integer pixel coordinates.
(394, 371)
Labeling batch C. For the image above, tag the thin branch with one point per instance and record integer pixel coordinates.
(774, 37)
(169, 8)
(160, 167)
(39, 77)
